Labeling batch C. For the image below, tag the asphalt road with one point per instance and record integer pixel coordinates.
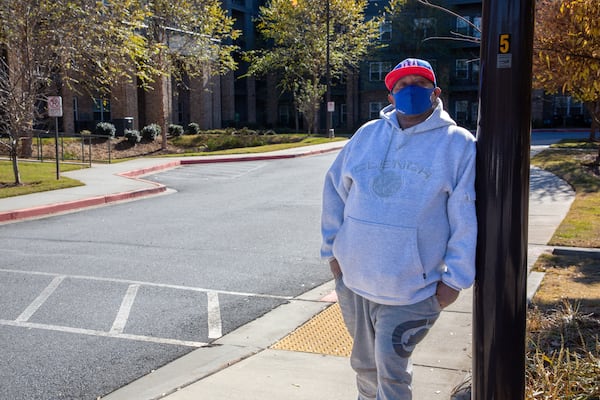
(92, 300)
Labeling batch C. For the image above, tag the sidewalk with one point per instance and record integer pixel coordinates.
(262, 360)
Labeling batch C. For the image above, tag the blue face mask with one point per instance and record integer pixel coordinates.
(413, 100)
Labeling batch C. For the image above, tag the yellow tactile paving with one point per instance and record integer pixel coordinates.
(325, 333)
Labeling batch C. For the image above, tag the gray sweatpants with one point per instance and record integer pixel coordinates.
(384, 339)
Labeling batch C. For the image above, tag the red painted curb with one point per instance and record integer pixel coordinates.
(144, 171)
(77, 204)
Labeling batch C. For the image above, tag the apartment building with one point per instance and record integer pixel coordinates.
(447, 40)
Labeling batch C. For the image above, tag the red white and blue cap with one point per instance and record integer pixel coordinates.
(410, 66)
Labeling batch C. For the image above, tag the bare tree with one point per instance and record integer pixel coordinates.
(47, 44)
(90, 46)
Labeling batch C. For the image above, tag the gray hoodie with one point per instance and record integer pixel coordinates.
(399, 209)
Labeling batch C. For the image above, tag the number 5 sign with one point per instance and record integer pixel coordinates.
(55, 106)
(504, 51)
(504, 46)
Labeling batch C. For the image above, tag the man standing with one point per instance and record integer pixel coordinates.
(399, 228)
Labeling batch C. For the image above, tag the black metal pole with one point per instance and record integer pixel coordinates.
(503, 140)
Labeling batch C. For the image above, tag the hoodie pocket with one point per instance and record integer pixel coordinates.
(379, 261)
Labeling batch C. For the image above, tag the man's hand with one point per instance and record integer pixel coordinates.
(335, 268)
(445, 294)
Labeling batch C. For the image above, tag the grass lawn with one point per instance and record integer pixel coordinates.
(35, 176)
(581, 226)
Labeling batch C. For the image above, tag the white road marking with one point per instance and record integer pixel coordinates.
(41, 299)
(214, 316)
(214, 311)
(152, 284)
(207, 172)
(125, 309)
(92, 332)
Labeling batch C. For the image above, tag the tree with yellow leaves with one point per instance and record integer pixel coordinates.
(567, 42)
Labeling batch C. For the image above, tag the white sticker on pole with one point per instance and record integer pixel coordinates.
(55, 106)
(504, 51)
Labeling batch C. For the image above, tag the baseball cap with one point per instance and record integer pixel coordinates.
(410, 66)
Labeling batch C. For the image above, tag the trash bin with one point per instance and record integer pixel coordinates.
(25, 147)
(122, 124)
(128, 123)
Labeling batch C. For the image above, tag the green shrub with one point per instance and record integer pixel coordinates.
(216, 132)
(151, 132)
(245, 131)
(105, 129)
(175, 130)
(224, 143)
(133, 136)
(193, 128)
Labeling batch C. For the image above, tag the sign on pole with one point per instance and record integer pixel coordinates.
(55, 110)
(55, 106)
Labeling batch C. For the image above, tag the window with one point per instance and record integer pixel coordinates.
(284, 115)
(385, 31)
(101, 109)
(378, 70)
(374, 108)
(475, 71)
(461, 108)
(462, 69)
(424, 27)
(474, 112)
(565, 105)
(477, 23)
(475, 67)
(462, 25)
(343, 114)
(75, 108)
(179, 110)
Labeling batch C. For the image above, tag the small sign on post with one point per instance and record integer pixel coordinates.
(55, 110)
(55, 106)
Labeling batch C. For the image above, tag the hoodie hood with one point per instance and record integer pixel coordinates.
(438, 119)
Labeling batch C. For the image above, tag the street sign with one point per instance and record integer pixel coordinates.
(55, 106)
(330, 106)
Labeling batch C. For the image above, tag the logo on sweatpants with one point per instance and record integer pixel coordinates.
(406, 336)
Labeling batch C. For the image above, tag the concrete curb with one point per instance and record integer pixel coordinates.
(57, 208)
(577, 251)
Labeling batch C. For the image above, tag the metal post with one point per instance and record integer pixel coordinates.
(56, 147)
(503, 140)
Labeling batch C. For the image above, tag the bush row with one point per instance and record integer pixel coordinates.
(224, 141)
(152, 131)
